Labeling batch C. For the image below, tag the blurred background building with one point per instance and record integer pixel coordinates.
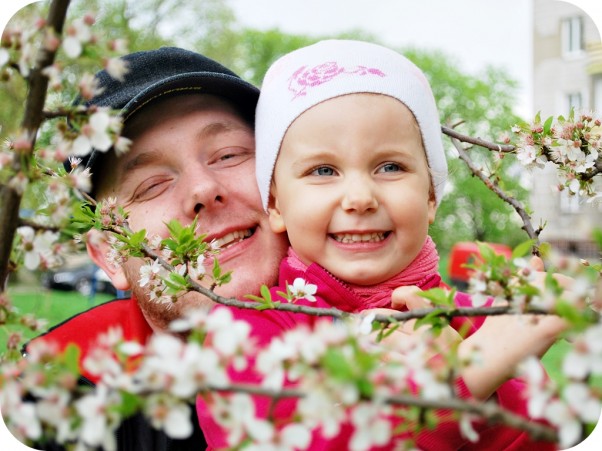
(567, 73)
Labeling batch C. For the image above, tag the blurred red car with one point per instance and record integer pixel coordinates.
(467, 252)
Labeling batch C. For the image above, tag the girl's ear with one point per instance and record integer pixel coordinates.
(432, 209)
(98, 248)
(275, 217)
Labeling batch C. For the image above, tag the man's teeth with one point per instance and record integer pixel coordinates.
(231, 238)
(359, 237)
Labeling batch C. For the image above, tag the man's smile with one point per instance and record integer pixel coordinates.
(232, 238)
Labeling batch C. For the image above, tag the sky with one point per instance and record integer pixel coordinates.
(474, 32)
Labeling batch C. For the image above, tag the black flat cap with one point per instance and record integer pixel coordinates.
(169, 71)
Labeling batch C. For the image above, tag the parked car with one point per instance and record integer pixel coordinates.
(465, 253)
(80, 278)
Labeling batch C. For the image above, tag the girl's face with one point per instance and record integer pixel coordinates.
(352, 188)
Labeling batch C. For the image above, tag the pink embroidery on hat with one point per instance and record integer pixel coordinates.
(304, 79)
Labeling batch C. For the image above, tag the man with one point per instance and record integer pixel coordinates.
(192, 155)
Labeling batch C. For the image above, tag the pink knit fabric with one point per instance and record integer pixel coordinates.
(418, 273)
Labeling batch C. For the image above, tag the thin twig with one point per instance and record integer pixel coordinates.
(37, 226)
(513, 202)
(505, 148)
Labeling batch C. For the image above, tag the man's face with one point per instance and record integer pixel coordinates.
(194, 156)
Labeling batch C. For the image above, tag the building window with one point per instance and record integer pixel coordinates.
(569, 203)
(598, 92)
(574, 101)
(572, 36)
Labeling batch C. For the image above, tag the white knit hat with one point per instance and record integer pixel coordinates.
(332, 68)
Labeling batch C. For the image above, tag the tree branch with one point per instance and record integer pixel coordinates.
(488, 410)
(505, 148)
(10, 198)
(438, 311)
(514, 203)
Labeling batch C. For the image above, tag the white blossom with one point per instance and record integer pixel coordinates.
(169, 415)
(365, 325)
(37, 247)
(96, 427)
(236, 414)
(585, 357)
(117, 68)
(4, 57)
(151, 272)
(94, 135)
(319, 409)
(466, 428)
(77, 33)
(569, 428)
(370, 428)
(300, 289)
(582, 401)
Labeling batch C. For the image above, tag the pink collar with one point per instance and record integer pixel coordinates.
(421, 272)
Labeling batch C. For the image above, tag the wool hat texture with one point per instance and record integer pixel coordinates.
(163, 72)
(332, 68)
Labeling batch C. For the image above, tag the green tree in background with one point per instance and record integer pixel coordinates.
(483, 102)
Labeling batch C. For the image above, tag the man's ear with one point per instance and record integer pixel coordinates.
(98, 248)
(275, 217)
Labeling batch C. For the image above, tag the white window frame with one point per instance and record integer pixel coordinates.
(597, 83)
(569, 203)
(574, 100)
(572, 36)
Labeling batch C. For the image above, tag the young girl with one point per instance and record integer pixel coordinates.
(350, 164)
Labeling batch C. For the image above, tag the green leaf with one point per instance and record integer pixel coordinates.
(547, 126)
(439, 296)
(523, 249)
(544, 249)
(130, 404)
(265, 292)
(71, 358)
(597, 236)
(335, 363)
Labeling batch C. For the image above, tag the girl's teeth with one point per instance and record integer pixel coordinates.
(360, 237)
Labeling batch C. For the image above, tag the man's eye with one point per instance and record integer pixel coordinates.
(148, 190)
(233, 156)
(390, 167)
(323, 170)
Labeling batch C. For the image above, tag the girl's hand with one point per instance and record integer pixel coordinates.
(407, 298)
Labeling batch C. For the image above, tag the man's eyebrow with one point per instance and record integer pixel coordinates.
(141, 160)
(216, 128)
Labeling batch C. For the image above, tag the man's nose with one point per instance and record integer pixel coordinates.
(203, 191)
(359, 195)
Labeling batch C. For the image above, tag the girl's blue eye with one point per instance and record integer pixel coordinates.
(323, 170)
(390, 167)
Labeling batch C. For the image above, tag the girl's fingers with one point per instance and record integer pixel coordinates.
(404, 298)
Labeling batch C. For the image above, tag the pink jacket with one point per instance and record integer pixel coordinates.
(333, 293)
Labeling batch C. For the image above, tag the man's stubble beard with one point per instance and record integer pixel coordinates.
(160, 314)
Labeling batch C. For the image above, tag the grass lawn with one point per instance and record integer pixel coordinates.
(54, 306)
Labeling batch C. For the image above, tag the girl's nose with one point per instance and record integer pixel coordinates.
(359, 196)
